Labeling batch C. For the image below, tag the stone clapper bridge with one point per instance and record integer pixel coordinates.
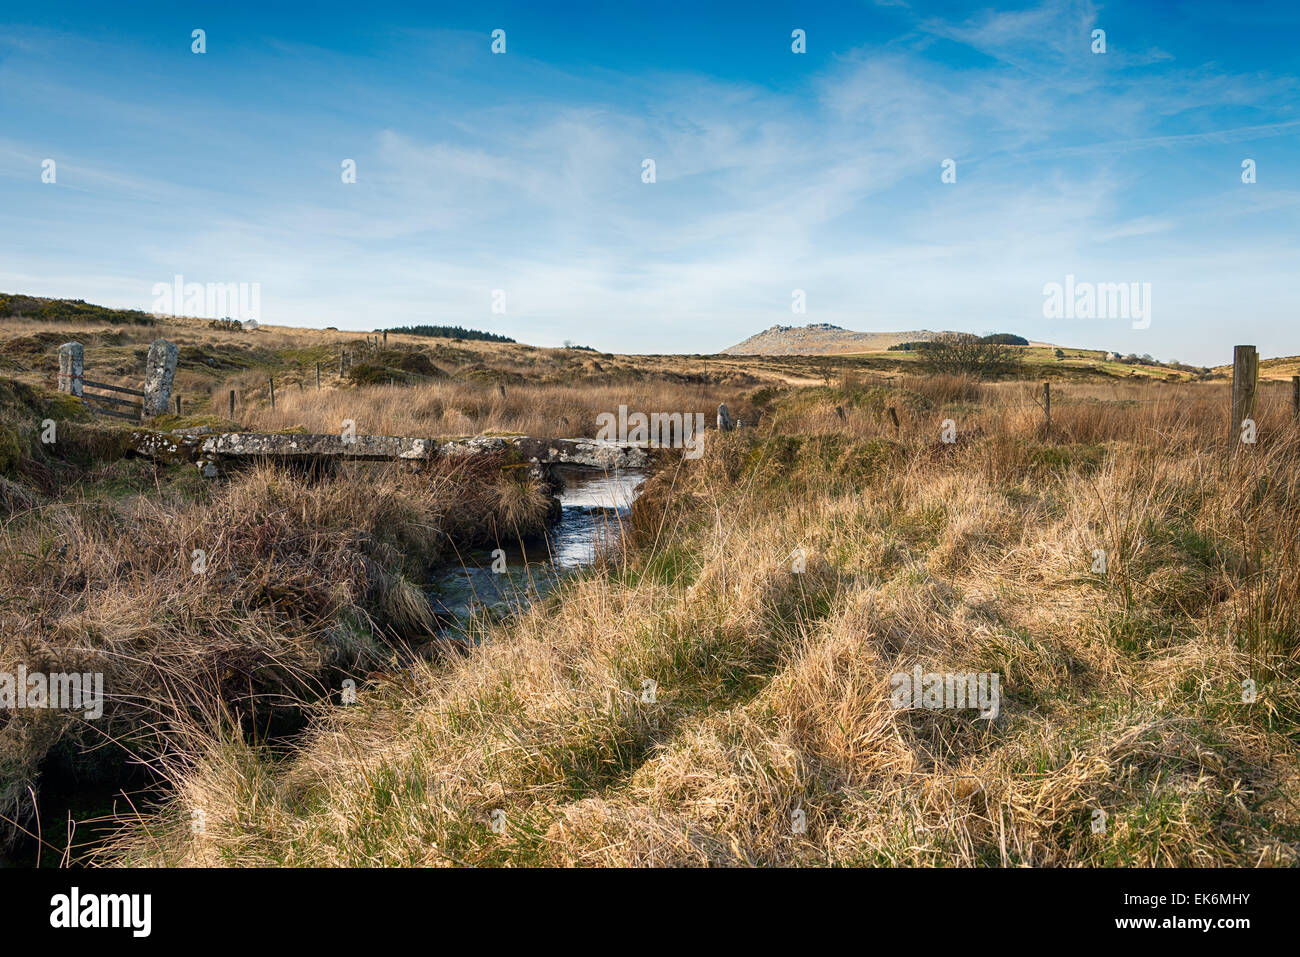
(591, 453)
(210, 450)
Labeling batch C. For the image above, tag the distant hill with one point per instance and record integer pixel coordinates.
(821, 339)
(67, 310)
(1280, 368)
(824, 339)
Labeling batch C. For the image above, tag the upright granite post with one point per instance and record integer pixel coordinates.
(71, 365)
(725, 422)
(159, 371)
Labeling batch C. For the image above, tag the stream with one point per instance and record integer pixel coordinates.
(593, 506)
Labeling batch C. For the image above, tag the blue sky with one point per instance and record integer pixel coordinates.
(775, 171)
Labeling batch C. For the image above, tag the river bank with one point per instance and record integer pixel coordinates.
(479, 583)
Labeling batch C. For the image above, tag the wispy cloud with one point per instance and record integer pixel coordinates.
(526, 176)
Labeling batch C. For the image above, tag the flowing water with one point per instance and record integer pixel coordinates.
(593, 506)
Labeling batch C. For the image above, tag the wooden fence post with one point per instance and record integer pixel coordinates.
(1047, 403)
(272, 380)
(318, 377)
(1295, 397)
(232, 404)
(1245, 380)
(178, 405)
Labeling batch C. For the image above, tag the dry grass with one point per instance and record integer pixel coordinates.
(768, 591)
(1121, 692)
(440, 409)
(301, 583)
(456, 383)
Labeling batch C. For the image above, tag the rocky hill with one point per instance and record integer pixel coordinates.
(820, 339)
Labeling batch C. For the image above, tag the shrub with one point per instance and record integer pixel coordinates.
(69, 310)
(960, 353)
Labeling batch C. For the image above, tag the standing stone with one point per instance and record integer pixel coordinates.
(725, 423)
(71, 365)
(159, 371)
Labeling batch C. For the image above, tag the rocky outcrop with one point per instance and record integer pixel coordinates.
(821, 338)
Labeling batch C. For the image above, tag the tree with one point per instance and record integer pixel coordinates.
(960, 353)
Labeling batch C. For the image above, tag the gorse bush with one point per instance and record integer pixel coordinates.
(68, 310)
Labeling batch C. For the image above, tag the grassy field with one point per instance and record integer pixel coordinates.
(717, 690)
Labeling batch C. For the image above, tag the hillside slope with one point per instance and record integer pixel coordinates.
(824, 339)
(1281, 368)
(819, 339)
